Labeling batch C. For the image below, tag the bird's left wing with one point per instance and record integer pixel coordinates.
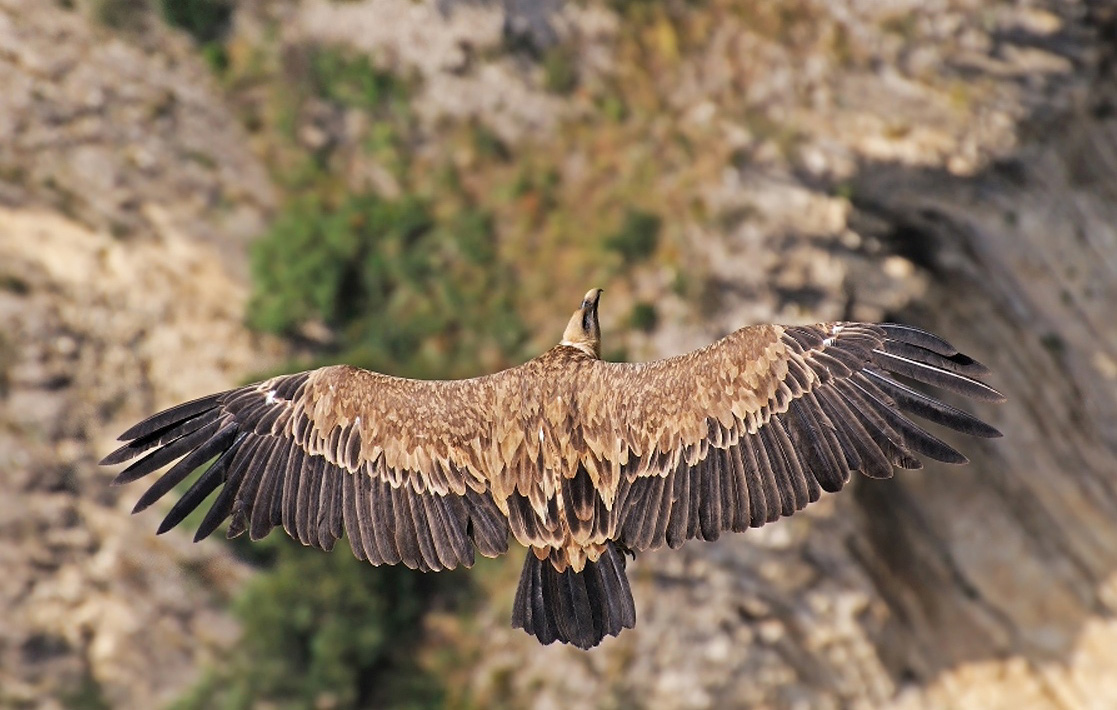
(398, 464)
(756, 425)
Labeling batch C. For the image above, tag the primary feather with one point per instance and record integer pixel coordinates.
(579, 459)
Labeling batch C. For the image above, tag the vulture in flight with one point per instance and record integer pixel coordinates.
(580, 459)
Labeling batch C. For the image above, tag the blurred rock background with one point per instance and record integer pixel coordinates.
(194, 193)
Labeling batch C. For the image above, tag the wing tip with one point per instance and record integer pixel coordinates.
(141, 505)
(120, 455)
(989, 432)
(986, 394)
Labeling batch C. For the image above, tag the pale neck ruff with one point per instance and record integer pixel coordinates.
(584, 347)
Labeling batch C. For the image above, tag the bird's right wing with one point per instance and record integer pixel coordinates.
(401, 465)
(758, 424)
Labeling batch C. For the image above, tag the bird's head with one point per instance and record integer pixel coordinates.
(582, 331)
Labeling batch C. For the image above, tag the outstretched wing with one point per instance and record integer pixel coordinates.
(398, 464)
(758, 424)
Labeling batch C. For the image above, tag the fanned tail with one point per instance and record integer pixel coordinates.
(579, 608)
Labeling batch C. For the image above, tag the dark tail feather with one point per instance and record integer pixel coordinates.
(574, 607)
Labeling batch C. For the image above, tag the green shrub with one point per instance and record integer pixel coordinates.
(84, 694)
(205, 20)
(644, 317)
(636, 10)
(332, 264)
(612, 107)
(216, 56)
(402, 290)
(352, 80)
(407, 292)
(638, 236)
(326, 630)
(488, 144)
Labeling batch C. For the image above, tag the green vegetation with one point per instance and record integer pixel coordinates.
(638, 236)
(353, 81)
(332, 263)
(216, 57)
(324, 630)
(634, 8)
(405, 291)
(350, 84)
(85, 694)
(488, 144)
(205, 20)
(644, 317)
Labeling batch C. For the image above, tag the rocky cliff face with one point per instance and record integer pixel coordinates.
(989, 220)
(125, 199)
(951, 166)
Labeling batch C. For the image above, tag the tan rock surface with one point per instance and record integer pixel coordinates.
(98, 127)
(127, 197)
(94, 332)
(951, 164)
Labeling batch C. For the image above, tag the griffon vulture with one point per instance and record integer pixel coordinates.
(580, 459)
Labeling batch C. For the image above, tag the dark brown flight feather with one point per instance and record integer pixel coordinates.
(581, 460)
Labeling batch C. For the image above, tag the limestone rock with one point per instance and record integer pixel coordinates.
(950, 164)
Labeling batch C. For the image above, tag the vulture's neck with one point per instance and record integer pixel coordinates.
(583, 331)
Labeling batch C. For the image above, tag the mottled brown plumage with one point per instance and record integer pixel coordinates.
(579, 459)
